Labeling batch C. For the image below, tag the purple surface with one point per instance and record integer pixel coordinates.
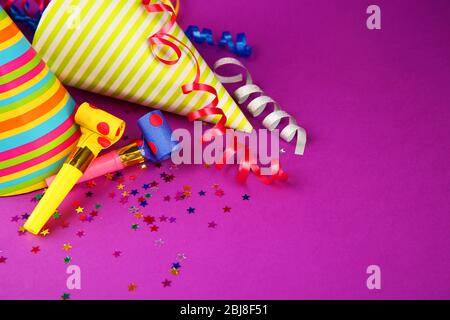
(372, 187)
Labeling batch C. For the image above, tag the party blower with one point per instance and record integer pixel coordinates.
(156, 145)
(99, 130)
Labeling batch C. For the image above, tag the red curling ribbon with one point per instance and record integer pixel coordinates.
(162, 37)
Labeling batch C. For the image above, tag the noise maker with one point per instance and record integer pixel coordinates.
(130, 155)
(157, 145)
(79, 41)
(99, 130)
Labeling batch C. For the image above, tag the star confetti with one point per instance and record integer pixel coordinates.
(154, 228)
(3, 259)
(132, 287)
(80, 234)
(120, 186)
(149, 219)
(35, 250)
(212, 224)
(79, 209)
(91, 184)
(245, 197)
(181, 257)
(166, 283)
(135, 226)
(159, 242)
(67, 260)
(191, 210)
(226, 209)
(45, 232)
(67, 246)
(202, 193)
(65, 296)
(117, 254)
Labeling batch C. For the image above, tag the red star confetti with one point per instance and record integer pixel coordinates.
(226, 209)
(75, 204)
(3, 259)
(154, 228)
(91, 184)
(149, 220)
(35, 250)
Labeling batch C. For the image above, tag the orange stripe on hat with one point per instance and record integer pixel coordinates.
(8, 33)
(36, 113)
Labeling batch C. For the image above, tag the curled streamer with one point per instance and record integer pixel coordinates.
(257, 105)
(162, 37)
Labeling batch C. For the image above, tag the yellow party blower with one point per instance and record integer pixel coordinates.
(99, 131)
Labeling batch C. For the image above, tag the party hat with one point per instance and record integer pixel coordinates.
(37, 129)
(103, 47)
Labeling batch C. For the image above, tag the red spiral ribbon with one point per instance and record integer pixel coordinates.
(163, 38)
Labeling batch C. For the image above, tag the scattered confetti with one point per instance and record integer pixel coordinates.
(132, 287)
(67, 260)
(65, 296)
(80, 234)
(67, 246)
(166, 283)
(79, 210)
(35, 250)
(245, 197)
(159, 242)
(191, 210)
(212, 225)
(3, 259)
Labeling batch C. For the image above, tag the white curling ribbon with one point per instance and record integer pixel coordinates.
(257, 105)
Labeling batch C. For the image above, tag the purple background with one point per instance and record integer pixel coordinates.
(372, 187)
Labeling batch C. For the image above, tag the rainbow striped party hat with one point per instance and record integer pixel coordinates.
(37, 129)
(103, 47)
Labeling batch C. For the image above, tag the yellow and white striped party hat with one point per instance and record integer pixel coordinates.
(102, 46)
